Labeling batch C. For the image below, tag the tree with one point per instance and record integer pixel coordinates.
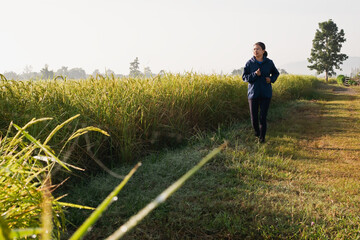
(11, 75)
(134, 68)
(325, 54)
(95, 73)
(27, 69)
(46, 73)
(237, 71)
(28, 72)
(147, 72)
(63, 71)
(282, 71)
(77, 73)
(109, 72)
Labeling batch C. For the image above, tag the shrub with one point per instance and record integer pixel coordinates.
(340, 79)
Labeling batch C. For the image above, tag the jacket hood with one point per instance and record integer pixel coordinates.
(253, 59)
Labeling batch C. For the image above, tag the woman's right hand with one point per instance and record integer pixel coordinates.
(258, 72)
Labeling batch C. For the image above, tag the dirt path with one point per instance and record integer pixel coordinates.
(323, 139)
(336, 143)
(328, 133)
(333, 130)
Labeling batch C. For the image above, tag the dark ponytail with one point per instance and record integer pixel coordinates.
(262, 45)
(265, 54)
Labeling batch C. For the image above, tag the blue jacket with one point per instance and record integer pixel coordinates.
(258, 87)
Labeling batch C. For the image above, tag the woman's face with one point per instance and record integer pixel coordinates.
(258, 51)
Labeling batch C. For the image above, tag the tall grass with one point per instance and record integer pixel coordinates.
(294, 87)
(139, 114)
(27, 205)
(23, 182)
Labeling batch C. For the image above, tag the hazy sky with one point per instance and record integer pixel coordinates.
(206, 36)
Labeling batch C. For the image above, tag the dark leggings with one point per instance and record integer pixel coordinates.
(254, 105)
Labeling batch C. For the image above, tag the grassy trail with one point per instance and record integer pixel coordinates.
(302, 184)
(322, 138)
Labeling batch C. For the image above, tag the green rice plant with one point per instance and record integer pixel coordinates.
(140, 114)
(2, 77)
(289, 87)
(25, 175)
(27, 206)
(59, 77)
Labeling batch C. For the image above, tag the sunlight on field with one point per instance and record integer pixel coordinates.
(139, 114)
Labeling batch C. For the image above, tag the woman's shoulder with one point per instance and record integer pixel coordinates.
(250, 61)
(269, 62)
(268, 59)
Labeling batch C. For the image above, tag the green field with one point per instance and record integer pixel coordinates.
(139, 114)
(171, 122)
(302, 184)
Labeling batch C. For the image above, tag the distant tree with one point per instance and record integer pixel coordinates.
(282, 71)
(11, 75)
(109, 72)
(237, 71)
(63, 71)
(28, 73)
(28, 69)
(96, 72)
(77, 73)
(147, 72)
(325, 53)
(46, 73)
(134, 68)
(119, 75)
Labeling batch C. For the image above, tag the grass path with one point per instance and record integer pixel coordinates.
(304, 183)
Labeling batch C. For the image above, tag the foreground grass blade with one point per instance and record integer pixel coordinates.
(134, 220)
(41, 146)
(75, 205)
(83, 229)
(58, 127)
(16, 137)
(2, 77)
(22, 233)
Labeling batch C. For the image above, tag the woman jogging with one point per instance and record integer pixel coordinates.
(260, 72)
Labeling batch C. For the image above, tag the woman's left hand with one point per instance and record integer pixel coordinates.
(268, 80)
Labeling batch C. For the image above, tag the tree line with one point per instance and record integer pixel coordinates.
(46, 73)
(77, 73)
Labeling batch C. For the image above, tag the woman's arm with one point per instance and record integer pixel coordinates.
(274, 73)
(248, 76)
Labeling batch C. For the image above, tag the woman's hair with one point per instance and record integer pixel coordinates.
(262, 45)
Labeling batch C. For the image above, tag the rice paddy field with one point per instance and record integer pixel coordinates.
(120, 121)
(139, 114)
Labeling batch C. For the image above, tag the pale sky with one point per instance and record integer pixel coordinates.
(205, 36)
